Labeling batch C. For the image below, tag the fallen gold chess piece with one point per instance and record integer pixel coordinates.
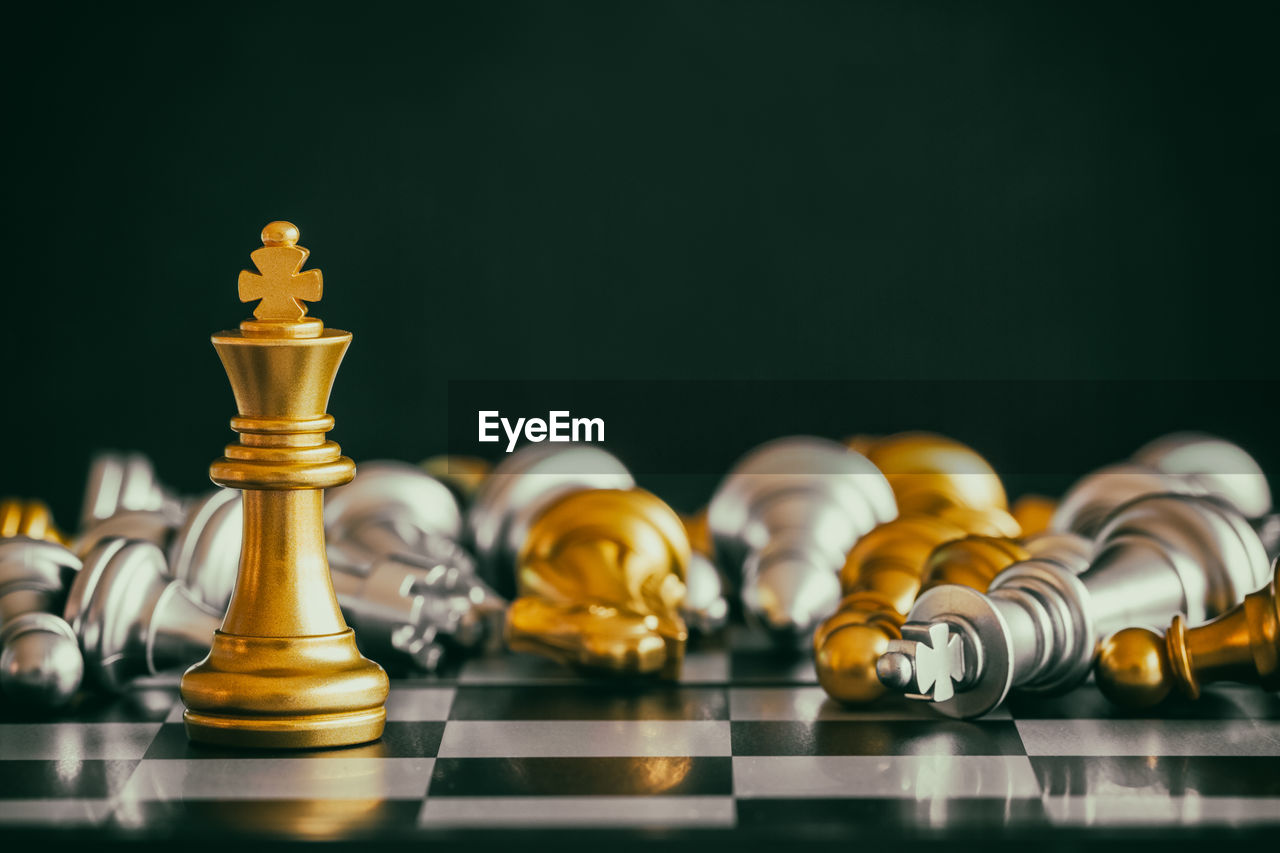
(601, 582)
(1138, 668)
(596, 566)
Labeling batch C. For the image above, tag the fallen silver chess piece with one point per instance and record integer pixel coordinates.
(1038, 626)
(705, 609)
(402, 579)
(783, 520)
(1182, 463)
(201, 543)
(132, 619)
(396, 508)
(412, 608)
(40, 661)
(120, 482)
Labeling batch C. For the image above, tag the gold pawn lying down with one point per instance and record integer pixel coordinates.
(1034, 513)
(945, 492)
(1138, 668)
(600, 580)
(30, 518)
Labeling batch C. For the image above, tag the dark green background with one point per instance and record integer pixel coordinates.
(604, 191)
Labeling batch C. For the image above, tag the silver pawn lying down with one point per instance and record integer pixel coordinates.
(202, 544)
(785, 517)
(1039, 625)
(40, 662)
(131, 618)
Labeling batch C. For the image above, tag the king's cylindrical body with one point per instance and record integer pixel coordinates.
(284, 670)
(292, 569)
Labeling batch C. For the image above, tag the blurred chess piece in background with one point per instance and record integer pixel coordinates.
(783, 520)
(1183, 463)
(405, 583)
(29, 518)
(461, 474)
(40, 662)
(132, 618)
(705, 609)
(601, 584)
(597, 566)
(121, 482)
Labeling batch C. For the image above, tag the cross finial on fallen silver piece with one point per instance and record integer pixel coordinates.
(932, 659)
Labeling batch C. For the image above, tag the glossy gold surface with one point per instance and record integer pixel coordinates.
(1138, 668)
(600, 579)
(284, 671)
(698, 530)
(1033, 513)
(30, 518)
(945, 492)
(928, 472)
(463, 473)
(972, 561)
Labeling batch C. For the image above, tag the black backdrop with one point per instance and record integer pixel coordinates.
(706, 190)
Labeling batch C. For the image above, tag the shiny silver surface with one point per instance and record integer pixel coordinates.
(124, 481)
(205, 552)
(519, 487)
(1038, 626)
(131, 618)
(40, 664)
(391, 507)
(408, 608)
(783, 520)
(1268, 530)
(1183, 463)
(1071, 550)
(1217, 467)
(1091, 499)
(403, 581)
(33, 575)
(142, 525)
(705, 608)
(40, 661)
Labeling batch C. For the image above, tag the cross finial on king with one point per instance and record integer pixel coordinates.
(278, 283)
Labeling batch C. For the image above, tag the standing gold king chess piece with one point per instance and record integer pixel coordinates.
(1138, 668)
(284, 671)
(945, 491)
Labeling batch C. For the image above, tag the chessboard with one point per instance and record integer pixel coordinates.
(745, 748)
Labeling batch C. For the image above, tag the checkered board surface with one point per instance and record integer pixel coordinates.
(746, 744)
